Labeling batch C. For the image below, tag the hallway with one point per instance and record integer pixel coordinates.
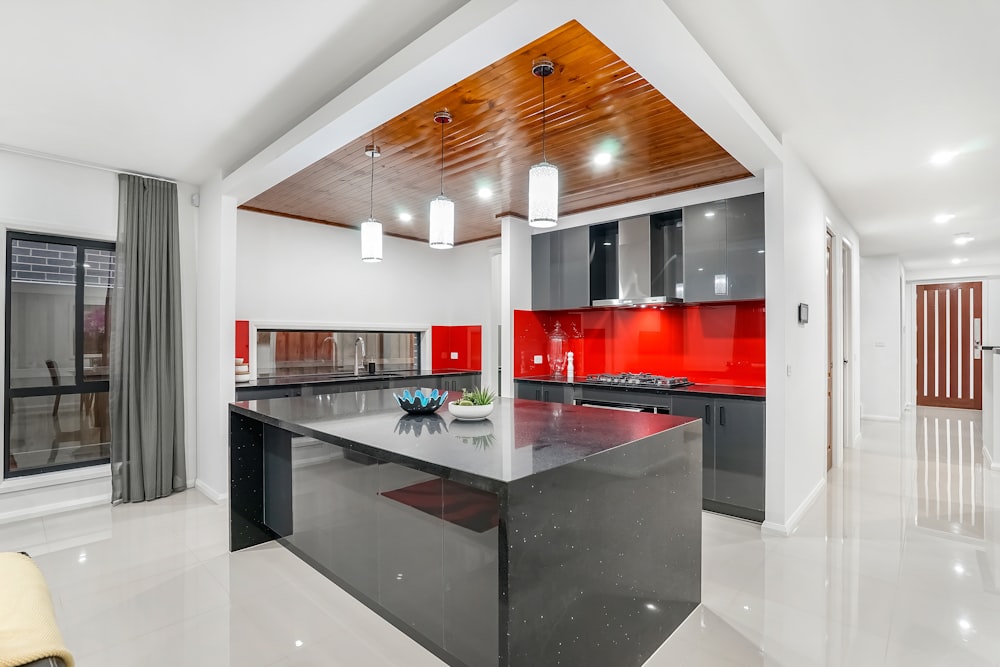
(896, 564)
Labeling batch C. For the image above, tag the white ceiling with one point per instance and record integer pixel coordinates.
(185, 88)
(864, 91)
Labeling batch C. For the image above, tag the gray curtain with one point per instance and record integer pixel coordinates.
(147, 398)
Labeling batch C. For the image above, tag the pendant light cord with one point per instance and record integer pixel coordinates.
(543, 119)
(371, 192)
(442, 159)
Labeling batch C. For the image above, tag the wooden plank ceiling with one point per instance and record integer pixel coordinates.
(594, 102)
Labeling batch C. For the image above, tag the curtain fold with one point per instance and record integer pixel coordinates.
(147, 402)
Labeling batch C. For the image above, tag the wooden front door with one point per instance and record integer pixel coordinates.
(949, 365)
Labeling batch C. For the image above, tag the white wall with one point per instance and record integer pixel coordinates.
(881, 327)
(797, 210)
(301, 272)
(47, 196)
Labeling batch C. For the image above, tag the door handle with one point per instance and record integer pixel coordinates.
(722, 415)
(708, 415)
(977, 338)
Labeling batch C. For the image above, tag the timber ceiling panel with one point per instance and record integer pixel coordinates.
(594, 102)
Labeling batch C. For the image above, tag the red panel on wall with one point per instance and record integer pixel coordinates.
(710, 344)
(243, 340)
(458, 348)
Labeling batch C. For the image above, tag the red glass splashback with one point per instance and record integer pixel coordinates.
(243, 340)
(464, 343)
(709, 343)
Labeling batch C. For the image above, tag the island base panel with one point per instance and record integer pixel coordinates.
(605, 554)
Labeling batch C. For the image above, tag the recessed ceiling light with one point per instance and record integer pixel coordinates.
(960, 260)
(964, 238)
(942, 218)
(964, 624)
(959, 568)
(710, 214)
(485, 193)
(602, 158)
(405, 217)
(943, 157)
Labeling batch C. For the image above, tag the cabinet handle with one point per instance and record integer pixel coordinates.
(722, 415)
(538, 394)
(708, 415)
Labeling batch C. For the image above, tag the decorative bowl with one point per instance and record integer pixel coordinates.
(421, 401)
(469, 412)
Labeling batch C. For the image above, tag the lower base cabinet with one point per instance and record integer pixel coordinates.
(732, 451)
(544, 391)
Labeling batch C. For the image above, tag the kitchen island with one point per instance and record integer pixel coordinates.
(545, 535)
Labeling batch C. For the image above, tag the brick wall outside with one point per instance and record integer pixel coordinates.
(36, 262)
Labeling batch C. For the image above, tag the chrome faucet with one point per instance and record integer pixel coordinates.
(359, 362)
(333, 350)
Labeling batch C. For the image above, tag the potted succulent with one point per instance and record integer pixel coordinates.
(474, 404)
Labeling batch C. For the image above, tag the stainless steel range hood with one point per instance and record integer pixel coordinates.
(634, 266)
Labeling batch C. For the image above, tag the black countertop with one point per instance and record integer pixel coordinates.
(521, 438)
(753, 393)
(327, 378)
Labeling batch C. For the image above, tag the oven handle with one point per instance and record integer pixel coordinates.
(626, 407)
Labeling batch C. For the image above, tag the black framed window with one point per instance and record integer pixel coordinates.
(58, 310)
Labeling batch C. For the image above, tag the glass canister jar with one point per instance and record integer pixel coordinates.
(558, 347)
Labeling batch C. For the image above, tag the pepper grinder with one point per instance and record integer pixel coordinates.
(569, 366)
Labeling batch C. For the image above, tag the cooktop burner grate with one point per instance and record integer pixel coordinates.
(638, 380)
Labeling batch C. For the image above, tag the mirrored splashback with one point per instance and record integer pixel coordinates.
(285, 352)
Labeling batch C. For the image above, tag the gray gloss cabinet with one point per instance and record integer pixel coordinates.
(732, 451)
(544, 391)
(560, 269)
(723, 241)
(705, 252)
(744, 246)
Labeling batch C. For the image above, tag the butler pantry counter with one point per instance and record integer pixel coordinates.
(546, 534)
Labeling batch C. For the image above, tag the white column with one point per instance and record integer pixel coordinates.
(515, 290)
(216, 324)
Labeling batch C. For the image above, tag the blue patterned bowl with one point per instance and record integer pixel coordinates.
(421, 401)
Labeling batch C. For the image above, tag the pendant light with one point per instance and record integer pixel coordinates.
(543, 178)
(371, 229)
(442, 232)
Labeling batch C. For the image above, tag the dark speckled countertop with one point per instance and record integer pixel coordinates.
(521, 438)
(755, 393)
(327, 378)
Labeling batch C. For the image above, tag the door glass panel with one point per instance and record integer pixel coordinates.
(55, 430)
(42, 313)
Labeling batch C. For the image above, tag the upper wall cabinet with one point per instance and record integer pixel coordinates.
(560, 269)
(724, 250)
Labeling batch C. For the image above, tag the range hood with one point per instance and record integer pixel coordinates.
(634, 266)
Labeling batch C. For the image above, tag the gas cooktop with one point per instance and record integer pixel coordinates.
(639, 380)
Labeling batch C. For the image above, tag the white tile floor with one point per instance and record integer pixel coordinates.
(897, 564)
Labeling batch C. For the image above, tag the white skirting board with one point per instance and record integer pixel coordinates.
(880, 418)
(988, 461)
(215, 496)
(45, 494)
(792, 523)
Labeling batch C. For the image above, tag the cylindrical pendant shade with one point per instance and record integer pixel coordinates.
(442, 235)
(371, 240)
(543, 195)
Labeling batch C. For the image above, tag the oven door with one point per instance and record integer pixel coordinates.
(626, 407)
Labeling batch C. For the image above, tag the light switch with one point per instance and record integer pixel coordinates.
(538, 358)
(454, 355)
(880, 343)
(788, 370)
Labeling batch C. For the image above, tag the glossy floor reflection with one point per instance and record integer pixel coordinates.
(897, 564)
